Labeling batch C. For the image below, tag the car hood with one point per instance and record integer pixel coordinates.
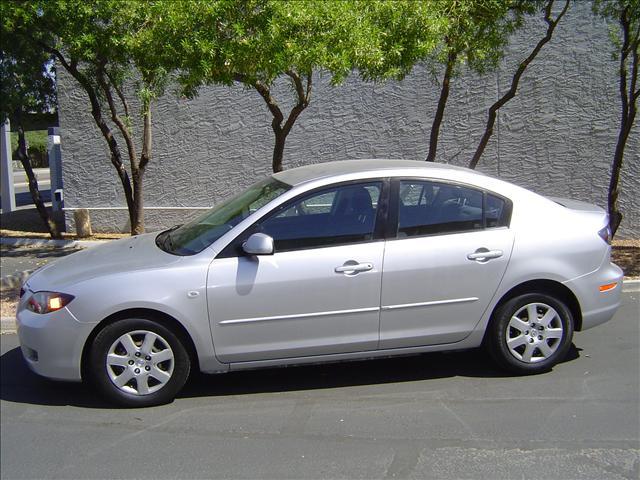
(114, 257)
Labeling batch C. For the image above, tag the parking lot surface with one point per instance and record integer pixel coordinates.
(428, 416)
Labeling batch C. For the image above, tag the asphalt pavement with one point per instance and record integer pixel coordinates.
(428, 416)
(16, 261)
(18, 258)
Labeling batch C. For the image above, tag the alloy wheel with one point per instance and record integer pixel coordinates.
(534, 333)
(140, 362)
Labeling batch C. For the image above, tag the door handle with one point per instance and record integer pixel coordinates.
(354, 267)
(484, 255)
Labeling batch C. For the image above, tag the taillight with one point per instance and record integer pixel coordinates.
(605, 234)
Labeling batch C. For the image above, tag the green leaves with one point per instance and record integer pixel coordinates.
(619, 12)
(93, 36)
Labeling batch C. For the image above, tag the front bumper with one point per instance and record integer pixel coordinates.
(52, 343)
(598, 307)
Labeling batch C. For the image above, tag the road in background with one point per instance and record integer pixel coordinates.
(428, 416)
(21, 185)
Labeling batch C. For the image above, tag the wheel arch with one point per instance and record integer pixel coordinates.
(550, 287)
(157, 316)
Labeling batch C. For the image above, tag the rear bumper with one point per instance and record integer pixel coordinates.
(598, 307)
(52, 344)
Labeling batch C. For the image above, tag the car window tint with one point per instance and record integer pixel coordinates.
(431, 207)
(333, 216)
(496, 214)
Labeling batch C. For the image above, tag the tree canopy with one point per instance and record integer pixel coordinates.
(101, 44)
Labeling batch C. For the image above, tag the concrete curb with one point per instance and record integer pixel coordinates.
(8, 324)
(42, 242)
(631, 286)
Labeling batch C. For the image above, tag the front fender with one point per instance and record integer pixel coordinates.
(179, 293)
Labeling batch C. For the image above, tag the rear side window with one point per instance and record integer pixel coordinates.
(427, 208)
(497, 211)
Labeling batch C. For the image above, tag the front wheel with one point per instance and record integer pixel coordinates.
(530, 333)
(138, 363)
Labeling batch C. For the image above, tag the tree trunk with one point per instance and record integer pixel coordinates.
(136, 214)
(628, 99)
(138, 169)
(615, 216)
(278, 151)
(50, 225)
(281, 131)
(442, 102)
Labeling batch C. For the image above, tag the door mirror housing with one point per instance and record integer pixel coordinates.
(258, 244)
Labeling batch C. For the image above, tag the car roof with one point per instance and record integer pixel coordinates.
(317, 171)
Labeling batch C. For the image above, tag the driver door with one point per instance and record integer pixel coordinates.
(319, 293)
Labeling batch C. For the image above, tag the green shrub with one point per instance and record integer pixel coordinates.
(36, 147)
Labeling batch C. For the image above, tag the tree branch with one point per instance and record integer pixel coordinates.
(126, 134)
(309, 80)
(96, 112)
(265, 93)
(633, 93)
(123, 100)
(515, 81)
(297, 83)
(303, 100)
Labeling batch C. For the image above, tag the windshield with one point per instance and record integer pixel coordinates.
(195, 236)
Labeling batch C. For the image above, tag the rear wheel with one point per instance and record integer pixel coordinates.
(530, 333)
(138, 363)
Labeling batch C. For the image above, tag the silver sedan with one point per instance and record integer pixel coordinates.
(323, 263)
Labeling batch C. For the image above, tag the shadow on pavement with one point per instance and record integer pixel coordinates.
(37, 252)
(18, 384)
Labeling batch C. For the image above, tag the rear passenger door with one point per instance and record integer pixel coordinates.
(445, 256)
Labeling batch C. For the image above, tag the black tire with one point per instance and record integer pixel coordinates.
(539, 350)
(143, 389)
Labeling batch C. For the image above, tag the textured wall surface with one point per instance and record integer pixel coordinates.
(557, 137)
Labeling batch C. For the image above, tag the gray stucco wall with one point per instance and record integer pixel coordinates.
(556, 137)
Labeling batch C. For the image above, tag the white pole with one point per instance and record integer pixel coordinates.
(7, 192)
(55, 169)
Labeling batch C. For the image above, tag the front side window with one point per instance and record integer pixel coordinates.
(332, 216)
(426, 207)
(195, 236)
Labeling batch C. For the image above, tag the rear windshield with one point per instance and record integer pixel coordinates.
(195, 236)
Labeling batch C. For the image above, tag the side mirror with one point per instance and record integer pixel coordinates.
(258, 244)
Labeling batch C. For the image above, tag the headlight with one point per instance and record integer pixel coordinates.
(46, 302)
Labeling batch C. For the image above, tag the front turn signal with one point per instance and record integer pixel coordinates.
(608, 286)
